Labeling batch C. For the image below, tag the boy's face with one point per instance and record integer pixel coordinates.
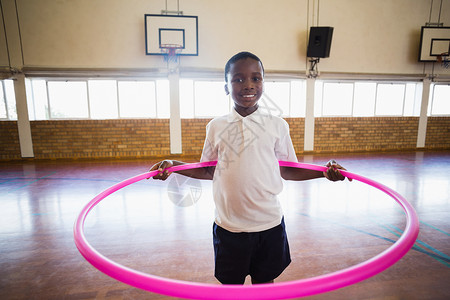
(245, 82)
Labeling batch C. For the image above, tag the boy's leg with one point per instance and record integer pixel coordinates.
(272, 255)
(232, 252)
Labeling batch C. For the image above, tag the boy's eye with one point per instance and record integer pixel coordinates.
(237, 80)
(256, 79)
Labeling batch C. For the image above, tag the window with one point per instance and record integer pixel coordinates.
(203, 99)
(298, 98)
(277, 97)
(137, 99)
(97, 99)
(7, 100)
(186, 99)
(440, 100)
(68, 99)
(210, 99)
(163, 99)
(103, 102)
(37, 100)
(365, 99)
(337, 99)
(286, 98)
(114, 98)
(389, 99)
(413, 99)
(207, 99)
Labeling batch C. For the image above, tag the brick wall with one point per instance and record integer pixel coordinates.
(297, 131)
(365, 134)
(193, 132)
(438, 133)
(100, 138)
(9, 140)
(150, 137)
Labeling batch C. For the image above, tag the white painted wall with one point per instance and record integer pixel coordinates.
(370, 37)
(380, 36)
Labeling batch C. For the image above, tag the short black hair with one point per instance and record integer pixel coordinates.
(239, 56)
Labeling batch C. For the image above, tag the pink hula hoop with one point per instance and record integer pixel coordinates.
(282, 290)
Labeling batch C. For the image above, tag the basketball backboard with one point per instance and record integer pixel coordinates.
(433, 42)
(162, 30)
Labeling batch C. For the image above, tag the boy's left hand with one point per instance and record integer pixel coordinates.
(333, 172)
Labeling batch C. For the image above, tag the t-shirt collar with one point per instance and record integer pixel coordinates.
(257, 116)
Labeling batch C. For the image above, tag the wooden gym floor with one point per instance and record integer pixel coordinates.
(145, 226)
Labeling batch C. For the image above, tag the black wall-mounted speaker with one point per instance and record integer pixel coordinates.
(319, 41)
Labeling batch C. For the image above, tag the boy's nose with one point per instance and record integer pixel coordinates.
(249, 85)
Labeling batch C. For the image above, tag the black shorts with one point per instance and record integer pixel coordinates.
(262, 255)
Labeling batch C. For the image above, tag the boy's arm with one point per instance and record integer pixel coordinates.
(297, 174)
(198, 173)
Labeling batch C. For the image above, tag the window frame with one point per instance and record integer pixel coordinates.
(289, 104)
(403, 99)
(322, 99)
(86, 80)
(49, 112)
(4, 101)
(10, 110)
(319, 103)
(411, 102)
(431, 102)
(136, 80)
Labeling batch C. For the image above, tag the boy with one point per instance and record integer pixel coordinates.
(249, 232)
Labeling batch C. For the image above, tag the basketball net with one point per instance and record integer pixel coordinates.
(171, 54)
(443, 60)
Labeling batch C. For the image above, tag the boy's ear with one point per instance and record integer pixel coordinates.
(227, 92)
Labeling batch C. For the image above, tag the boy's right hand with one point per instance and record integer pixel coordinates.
(161, 167)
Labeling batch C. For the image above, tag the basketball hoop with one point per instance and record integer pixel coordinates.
(443, 59)
(171, 52)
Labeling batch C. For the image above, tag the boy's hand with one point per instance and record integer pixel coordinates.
(161, 167)
(333, 172)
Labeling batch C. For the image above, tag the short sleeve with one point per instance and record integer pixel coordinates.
(284, 149)
(209, 152)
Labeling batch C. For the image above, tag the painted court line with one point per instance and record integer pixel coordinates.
(31, 182)
(435, 254)
(435, 228)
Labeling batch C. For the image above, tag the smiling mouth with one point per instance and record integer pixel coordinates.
(248, 96)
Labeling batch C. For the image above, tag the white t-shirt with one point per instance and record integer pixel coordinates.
(247, 178)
